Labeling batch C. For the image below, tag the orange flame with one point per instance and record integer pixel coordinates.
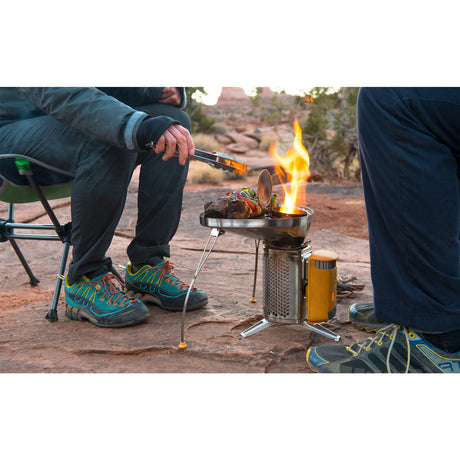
(293, 170)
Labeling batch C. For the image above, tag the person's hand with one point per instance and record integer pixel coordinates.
(170, 95)
(176, 137)
(167, 136)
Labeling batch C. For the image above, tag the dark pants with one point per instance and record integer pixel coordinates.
(410, 156)
(101, 175)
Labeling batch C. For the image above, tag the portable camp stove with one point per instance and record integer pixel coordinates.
(299, 285)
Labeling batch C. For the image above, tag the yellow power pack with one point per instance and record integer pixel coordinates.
(321, 290)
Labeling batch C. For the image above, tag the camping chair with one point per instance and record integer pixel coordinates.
(25, 180)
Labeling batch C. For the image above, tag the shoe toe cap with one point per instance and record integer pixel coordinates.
(198, 299)
(136, 313)
(315, 360)
(357, 310)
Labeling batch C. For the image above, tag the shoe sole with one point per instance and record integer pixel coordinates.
(80, 315)
(144, 298)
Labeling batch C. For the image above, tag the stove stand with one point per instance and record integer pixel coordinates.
(285, 279)
(265, 324)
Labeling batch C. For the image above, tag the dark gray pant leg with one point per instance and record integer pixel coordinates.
(99, 194)
(161, 185)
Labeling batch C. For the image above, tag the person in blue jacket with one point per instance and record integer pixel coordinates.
(409, 143)
(98, 136)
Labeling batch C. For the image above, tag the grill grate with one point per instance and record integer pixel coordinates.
(276, 283)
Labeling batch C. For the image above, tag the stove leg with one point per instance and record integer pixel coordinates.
(321, 330)
(260, 326)
(215, 232)
(253, 298)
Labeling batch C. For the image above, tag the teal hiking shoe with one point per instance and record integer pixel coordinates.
(159, 285)
(394, 349)
(363, 317)
(103, 302)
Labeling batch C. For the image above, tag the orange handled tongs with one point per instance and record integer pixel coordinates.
(216, 160)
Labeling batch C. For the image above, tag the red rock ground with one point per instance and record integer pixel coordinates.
(30, 344)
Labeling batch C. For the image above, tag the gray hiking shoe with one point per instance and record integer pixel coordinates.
(394, 349)
(363, 317)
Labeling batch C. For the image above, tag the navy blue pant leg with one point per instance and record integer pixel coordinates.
(409, 140)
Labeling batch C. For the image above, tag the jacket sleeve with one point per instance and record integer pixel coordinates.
(91, 112)
(150, 95)
(155, 94)
(135, 96)
(183, 95)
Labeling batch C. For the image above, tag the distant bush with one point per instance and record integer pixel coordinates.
(267, 140)
(329, 132)
(274, 118)
(200, 121)
(201, 173)
(205, 142)
(219, 128)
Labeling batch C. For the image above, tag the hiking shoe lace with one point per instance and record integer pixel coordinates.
(159, 285)
(152, 275)
(389, 331)
(107, 290)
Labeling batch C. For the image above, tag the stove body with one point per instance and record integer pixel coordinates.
(284, 283)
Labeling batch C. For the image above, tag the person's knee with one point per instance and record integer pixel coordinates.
(180, 116)
(103, 162)
(175, 113)
(183, 118)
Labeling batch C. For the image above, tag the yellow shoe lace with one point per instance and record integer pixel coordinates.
(388, 332)
(155, 275)
(106, 288)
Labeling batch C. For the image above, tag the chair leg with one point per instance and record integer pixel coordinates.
(52, 312)
(32, 278)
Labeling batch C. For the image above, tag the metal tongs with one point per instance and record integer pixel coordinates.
(216, 160)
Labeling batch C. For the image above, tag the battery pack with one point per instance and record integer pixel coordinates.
(321, 289)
